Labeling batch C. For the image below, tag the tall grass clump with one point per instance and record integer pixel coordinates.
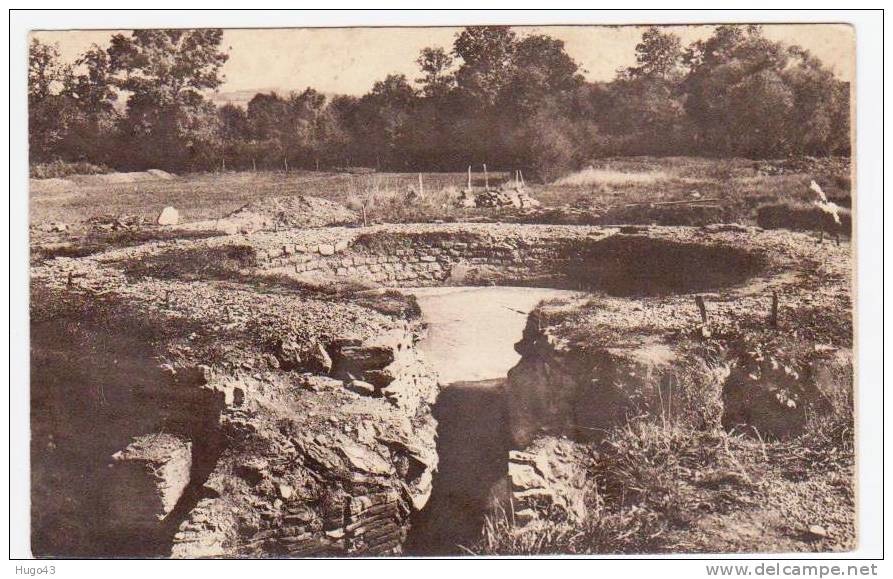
(591, 176)
(650, 479)
(401, 203)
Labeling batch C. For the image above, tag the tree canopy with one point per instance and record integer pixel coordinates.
(495, 97)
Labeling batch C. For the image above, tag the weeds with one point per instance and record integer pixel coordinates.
(653, 479)
(614, 178)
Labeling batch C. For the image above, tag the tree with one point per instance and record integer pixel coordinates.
(306, 125)
(821, 109)
(47, 74)
(723, 69)
(233, 122)
(94, 90)
(266, 112)
(486, 53)
(435, 64)
(168, 65)
(346, 124)
(387, 109)
(168, 119)
(644, 111)
(51, 111)
(540, 70)
(658, 55)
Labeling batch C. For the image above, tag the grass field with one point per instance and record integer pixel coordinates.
(673, 191)
(212, 195)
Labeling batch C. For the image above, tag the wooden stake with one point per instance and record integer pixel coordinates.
(486, 178)
(702, 308)
(421, 186)
(364, 214)
(469, 178)
(285, 160)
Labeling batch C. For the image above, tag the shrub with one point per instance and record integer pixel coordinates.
(803, 217)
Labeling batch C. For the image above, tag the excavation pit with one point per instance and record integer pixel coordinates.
(599, 260)
(250, 313)
(469, 339)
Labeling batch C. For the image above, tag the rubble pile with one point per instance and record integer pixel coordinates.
(508, 195)
(278, 213)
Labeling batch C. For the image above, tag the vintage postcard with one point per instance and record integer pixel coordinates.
(442, 291)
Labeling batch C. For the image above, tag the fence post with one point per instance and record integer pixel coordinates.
(702, 308)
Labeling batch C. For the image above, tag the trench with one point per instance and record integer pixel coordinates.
(471, 333)
(94, 390)
(470, 339)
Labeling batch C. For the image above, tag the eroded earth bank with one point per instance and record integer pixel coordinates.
(270, 394)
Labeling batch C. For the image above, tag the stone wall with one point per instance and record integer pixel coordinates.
(372, 524)
(337, 471)
(421, 260)
(615, 262)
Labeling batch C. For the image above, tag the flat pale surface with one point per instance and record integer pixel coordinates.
(472, 331)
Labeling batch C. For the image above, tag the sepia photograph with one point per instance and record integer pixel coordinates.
(442, 291)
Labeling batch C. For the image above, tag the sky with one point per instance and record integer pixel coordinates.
(350, 60)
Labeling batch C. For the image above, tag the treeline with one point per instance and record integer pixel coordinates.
(495, 98)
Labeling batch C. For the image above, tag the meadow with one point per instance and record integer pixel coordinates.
(666, 190)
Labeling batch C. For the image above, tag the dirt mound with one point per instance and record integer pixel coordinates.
(802, 217)
(55, 185)
(286, 213)
(114, 178)
(811, 165)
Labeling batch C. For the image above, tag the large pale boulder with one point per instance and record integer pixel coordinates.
(169, 216)
(150, 475)
(548, 475)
